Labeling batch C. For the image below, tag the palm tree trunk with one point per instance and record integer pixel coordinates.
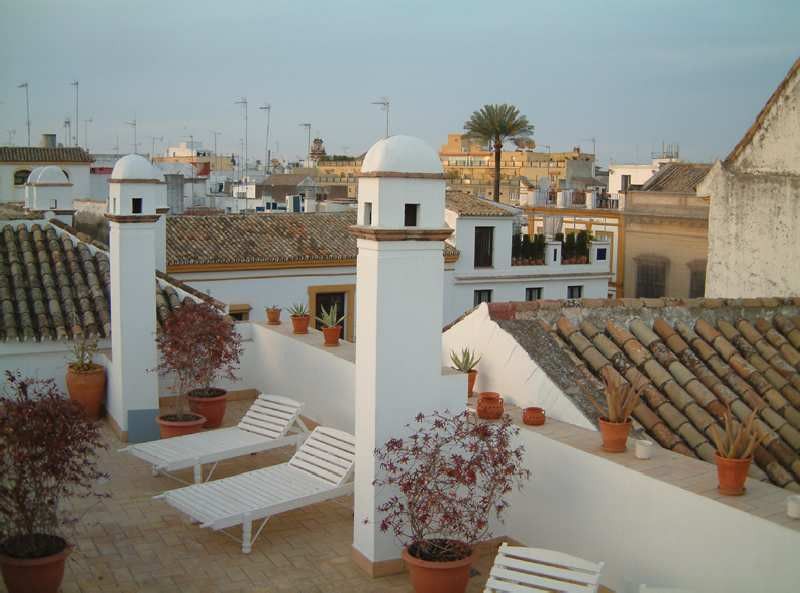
(498, 149)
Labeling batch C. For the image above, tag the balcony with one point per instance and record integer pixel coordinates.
(572, 249)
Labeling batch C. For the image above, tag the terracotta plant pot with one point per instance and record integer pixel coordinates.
(615, 435)
(332, 335)
(177, 428)
(88, 388)
(273, 316)
(472, 376)
(439, 577)
(300, 324)
(34, 575)
(490, 405)
(732, 474)
(533, 416)
(209, 403)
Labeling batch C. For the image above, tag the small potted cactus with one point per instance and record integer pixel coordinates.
(274, 315)
(466, 361)
(615, 421)
(735, 444)
(300, 318)
(331, 325)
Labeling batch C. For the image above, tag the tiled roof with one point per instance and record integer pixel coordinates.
(677, 178)
(54, 286)
(468, 205)
(697, 357)
(288, 179)
(36, 154)
(762, 115)
(263, 239)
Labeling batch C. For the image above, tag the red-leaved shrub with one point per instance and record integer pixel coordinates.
(198, 345)
(446, 480)
(48, 454)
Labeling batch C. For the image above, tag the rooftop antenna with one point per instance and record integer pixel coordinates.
(11, 134)
(384, 103)
(307, 126)
(86, 123)
(67, 128)
(154, 139)
(116, 146)
(243, 102)
(214, 135)
(132, 124)
(24, 85)
(77, 127)
(268, 108)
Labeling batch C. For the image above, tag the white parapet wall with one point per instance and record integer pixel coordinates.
(658, 522)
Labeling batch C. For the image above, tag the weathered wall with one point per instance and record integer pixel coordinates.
(753, 234)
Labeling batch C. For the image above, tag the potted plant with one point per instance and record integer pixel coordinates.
(300, 318)
(200, 345)
(466, 362)
(615, 421)
(330, 325)
(735, 445)
(444, 483)
(274, 315)
(49, 456)
(86, 380)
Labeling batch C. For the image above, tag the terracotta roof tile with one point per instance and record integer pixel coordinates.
(263, 238)
(36, 154)
(696, 361)
(54, 286)
(468, 205)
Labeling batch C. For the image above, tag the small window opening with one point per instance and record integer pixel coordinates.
(136, 205)
(367, 213)
(412, 211)
(602, 254)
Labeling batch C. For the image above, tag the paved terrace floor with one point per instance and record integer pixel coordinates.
(133, 544)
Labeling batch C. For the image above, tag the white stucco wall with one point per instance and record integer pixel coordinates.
(78, 174)
(645, 530)
(753, 228)
(508, 369)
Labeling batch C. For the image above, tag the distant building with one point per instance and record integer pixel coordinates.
(469, 167)
(755, 204)
(17, 162)
(203, 160)
(622, 177)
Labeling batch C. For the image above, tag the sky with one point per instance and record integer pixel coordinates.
(631, 74)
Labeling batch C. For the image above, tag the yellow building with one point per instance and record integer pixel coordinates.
(332, 171)
(469, 167)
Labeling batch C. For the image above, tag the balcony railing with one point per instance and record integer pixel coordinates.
(533, 251)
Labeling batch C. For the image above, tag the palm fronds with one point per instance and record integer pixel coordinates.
(737, 440)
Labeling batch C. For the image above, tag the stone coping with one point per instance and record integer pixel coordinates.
(762, 499)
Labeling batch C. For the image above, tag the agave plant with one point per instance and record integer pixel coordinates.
(298, 310)
(330, 317)
(737, 440)
(621, 397)
(466, 361)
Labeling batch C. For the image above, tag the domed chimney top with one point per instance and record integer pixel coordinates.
(134, 167)
(402, 154)
(48, 175)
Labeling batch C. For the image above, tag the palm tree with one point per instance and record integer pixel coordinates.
(494, 124)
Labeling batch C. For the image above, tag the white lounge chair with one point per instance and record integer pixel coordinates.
(522, 570)
(266, 425)
(321, 469)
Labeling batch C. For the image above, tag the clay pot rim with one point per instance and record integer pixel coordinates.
(274, 309)
(96, 369)
(733, 460)
(300, 316)
(533, 409)
(208, 398)
(200, 420)
(431, 565)
(489, 395)
(14, 561)
(604, 420)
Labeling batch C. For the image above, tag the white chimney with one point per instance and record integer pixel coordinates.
(400, 278)
(49, 192)
(135, 194)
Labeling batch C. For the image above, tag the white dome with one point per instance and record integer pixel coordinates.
(401, 154)
(135, 167)
(48, 174)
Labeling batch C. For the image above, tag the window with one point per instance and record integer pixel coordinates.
(136, 205)
(484, 239)
(53, 204)
(574, 292)
(697, 278)
(21, 176)
(64, 171)
(239, 312)
(624, 183)
(341, 295)
(602, 253)
(651, 277)
(412, 210)
(481, 296)
(367, 214)
(533, 294)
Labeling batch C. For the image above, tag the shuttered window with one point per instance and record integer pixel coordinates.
(484, 240)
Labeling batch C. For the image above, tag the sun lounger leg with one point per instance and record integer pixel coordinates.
(247, 529)
(198, 473)
(155, 471)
